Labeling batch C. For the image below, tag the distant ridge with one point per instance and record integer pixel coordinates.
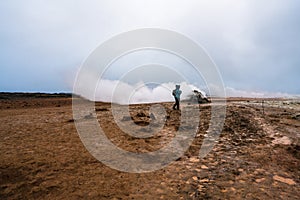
(20, 95)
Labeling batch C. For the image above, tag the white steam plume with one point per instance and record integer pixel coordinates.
(124, 93)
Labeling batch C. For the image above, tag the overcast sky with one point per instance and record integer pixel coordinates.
(254, 43)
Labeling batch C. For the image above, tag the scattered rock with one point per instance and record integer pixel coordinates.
(231, 182)
(200, 188)
(194, 159)
(260, 170)
(159, 190)
(296, 116)
(284, 180)
(259, 180)
(142, 123)
(283, 140)
(204, 167)
(204, 180)
(141, 114)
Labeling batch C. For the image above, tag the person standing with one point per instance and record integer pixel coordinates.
(176, 93)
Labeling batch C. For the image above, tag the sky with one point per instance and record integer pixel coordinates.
(255, 44)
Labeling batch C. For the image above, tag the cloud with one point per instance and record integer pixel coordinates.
(254, 43)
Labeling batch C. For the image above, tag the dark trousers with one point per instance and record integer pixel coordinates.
(176, 104)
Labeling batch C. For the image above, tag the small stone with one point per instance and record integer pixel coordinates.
(193, 194)
(195, 178)
(283, 140)
(275, 184)
(200, 188)
(233, 189)
(260, 170)
(204, 167)
(259, 180)
(224, 190)
(204, 180)
(194, 159)
(296, 116)
(284, 180)
(159, 190)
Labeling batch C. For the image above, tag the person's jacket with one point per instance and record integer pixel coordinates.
(176, 93)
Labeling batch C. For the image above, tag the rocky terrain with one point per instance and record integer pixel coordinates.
(257, 155)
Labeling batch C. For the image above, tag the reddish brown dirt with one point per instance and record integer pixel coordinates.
(42, 156)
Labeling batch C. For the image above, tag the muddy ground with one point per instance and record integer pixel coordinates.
(257, 155)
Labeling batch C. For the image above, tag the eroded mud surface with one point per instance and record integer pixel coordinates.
(257, 155)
